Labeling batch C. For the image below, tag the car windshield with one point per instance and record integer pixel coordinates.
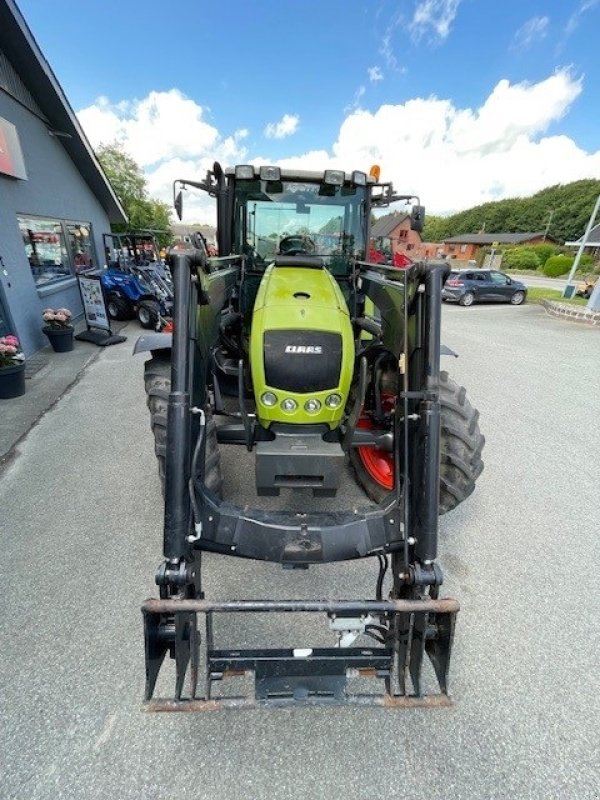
(292, 218)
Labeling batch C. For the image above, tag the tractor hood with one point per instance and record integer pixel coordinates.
(301, 345)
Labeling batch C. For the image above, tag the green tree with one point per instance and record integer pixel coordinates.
(129, 183)
(563, 209)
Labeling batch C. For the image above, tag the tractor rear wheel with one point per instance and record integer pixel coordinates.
(157, 378)
(460, 457)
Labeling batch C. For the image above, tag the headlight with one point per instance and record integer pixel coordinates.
(244, 172)
(312, 405)
(270, 174)
(268, 399)
(289, 405)
(333, 401)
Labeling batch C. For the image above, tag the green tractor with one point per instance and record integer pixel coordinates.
(293, 346)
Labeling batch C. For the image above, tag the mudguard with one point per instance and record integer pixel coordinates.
(153, 341)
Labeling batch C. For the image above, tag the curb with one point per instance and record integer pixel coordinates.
(572, 313)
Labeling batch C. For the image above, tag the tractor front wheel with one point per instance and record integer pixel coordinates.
(157, 378)
(460, 458)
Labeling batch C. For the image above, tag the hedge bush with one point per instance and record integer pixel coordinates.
(521, 258)
(556, 266)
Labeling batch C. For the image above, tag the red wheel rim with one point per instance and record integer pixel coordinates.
(378, 463)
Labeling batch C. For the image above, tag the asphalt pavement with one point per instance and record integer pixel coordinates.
(537, 281)
(81, 538)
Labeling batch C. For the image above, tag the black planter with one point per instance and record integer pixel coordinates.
(12, 381)
(61, 339)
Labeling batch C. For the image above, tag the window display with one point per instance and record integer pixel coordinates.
(45, 242)
(80, 242)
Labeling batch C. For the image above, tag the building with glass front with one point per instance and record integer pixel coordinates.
(55, 201)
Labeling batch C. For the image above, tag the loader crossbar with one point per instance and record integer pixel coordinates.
(301, 676)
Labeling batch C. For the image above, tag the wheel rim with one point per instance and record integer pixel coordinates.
(468, 299)
(378, 463)
(112, 310)
(517, 298)
(144, 316)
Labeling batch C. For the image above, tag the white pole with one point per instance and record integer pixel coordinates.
(581, 248)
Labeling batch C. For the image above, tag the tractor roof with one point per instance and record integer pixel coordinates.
(300, 174)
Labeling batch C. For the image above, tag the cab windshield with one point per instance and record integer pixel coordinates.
(294, 218)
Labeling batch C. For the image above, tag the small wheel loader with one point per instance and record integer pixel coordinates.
(290, 345)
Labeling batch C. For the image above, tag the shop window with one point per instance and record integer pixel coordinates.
(55, 249)
(79, 236)
(45, 248)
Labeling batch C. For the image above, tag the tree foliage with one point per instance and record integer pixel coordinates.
(130, 186)
(567, 207)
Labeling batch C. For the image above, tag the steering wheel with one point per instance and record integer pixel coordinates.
(297, 245)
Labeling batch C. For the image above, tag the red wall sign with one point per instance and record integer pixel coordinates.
(11, 155)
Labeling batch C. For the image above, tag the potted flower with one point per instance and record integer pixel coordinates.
(58, 328)
(12, 368)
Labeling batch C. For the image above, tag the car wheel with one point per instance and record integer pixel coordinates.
(517, 298)
(467, 299)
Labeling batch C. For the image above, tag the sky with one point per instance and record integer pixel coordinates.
(458, 101)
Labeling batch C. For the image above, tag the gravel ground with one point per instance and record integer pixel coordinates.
(81, 538)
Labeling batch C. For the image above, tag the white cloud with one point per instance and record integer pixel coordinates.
(534, 30)
(161, 125)
(458, 157)
(433, 17)
(575, 18)
(452, 157)
(286, 126)
(358, 95)
(375, 74)
(167, 135)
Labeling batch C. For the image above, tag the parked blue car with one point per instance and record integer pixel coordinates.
(136, 282)
(489, 285)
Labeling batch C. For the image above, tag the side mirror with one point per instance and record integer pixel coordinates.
(178, 203)
(417, 218)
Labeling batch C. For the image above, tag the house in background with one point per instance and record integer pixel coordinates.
(466, 246)
(592, 244)
(182, 233)
(55, 200)
(393, 232)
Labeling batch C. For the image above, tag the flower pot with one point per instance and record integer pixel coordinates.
(12, 381)
(61, 339)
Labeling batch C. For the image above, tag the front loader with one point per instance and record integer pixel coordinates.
(293, 347)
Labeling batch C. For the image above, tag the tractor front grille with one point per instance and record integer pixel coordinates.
(302, 361)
